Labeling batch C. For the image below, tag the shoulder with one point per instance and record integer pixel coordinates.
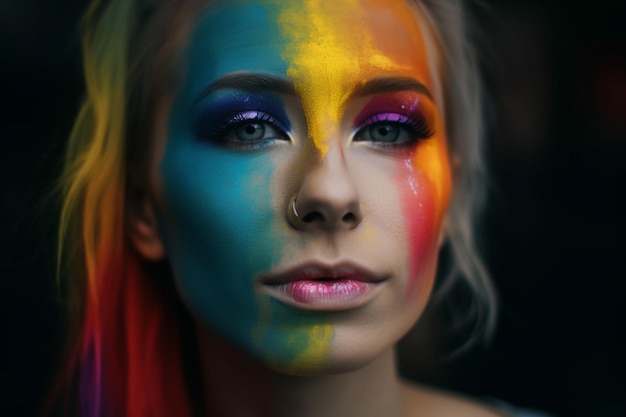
(422, 401)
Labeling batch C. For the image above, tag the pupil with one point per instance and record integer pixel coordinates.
(384, 133)
(250, 131)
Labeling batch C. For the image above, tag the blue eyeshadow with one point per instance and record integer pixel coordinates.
(220, 107)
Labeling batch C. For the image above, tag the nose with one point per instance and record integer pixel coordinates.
(327, 198)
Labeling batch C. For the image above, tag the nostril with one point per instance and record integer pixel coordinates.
(349, 218)
(323, 215)
(313, 216)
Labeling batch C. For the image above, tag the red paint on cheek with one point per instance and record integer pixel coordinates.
(418, 195)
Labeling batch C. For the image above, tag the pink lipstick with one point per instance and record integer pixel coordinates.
(319, 287)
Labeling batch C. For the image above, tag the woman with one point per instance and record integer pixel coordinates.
(255, 196)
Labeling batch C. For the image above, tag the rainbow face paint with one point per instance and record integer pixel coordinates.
(280, 96)
(332, 48)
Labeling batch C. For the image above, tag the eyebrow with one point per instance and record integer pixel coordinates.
(251, 82)
(260, 83)
(390, 85)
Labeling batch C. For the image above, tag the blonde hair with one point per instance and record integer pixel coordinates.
(465, 110)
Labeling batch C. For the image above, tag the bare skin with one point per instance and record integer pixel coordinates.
(421, 401)
(236, 385)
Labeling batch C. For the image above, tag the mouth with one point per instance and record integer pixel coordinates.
(320, 287)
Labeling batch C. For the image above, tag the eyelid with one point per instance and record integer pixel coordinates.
(227, 104)
(264, 117)
(406, 103)
(410, 110)
(390, 117)
(221, 127)
(420, 126)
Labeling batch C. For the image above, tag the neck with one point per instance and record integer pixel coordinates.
(237, 385)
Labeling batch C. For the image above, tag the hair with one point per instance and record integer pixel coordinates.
(465, 107)
(127, 327)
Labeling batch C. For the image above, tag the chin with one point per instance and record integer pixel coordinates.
(335, 364)
(355, 347)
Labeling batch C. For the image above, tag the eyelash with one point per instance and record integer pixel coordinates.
(416, 129)
(224, 131)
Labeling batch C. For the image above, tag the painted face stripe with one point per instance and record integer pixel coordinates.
(327, 57)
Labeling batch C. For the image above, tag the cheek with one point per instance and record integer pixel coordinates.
(219, 205)
(220, 232)
(422, 220)
(224, 225)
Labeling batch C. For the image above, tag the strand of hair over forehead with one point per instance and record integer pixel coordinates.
(126, 353)
(465, 112)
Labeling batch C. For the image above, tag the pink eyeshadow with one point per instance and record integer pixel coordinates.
(405, 103)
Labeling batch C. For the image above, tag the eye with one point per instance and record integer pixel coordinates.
(391, 129)
(380, 132)
(245, 130)
(254, 131)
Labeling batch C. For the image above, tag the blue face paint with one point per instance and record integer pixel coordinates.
(221, 226)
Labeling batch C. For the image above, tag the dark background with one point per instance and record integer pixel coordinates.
(554, 228)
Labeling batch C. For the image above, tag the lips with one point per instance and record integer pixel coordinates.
(324, 287)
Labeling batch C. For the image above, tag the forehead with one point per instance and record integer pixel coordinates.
(357, 39)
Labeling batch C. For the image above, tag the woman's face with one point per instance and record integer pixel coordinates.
(328, 103)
